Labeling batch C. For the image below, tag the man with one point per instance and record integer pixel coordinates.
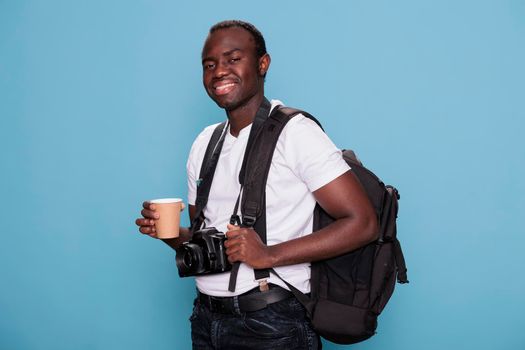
(306, 168)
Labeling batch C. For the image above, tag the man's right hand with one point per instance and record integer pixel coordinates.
(147, 222)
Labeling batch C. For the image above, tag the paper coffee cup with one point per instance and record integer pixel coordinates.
(168, 223)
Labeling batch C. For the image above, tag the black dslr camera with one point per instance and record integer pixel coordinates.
(203, 254)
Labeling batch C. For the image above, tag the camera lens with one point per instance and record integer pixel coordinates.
(189, 259)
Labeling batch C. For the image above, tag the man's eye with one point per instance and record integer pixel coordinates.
(209, 66)
(235, 59)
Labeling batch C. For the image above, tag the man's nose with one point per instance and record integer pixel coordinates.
(221, 70)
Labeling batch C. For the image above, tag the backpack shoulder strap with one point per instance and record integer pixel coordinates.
(258, 163)
(209, 163)
(211, 158)
(292, 112)
(389, 232)
(253, 204)
(214, 140)
(255, 173)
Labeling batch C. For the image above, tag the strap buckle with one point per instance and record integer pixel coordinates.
(263, 285)
(248, 221)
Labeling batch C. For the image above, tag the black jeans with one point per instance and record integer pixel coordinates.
(280, 326)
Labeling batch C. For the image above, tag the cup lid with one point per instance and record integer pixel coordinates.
(165, 200)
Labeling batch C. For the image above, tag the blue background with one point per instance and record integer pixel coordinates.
(100, 102)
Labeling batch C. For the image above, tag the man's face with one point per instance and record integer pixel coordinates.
(232, 74)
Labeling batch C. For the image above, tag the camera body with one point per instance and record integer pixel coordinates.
(203, 254)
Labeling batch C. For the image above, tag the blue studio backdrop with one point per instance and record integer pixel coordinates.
(100, 102)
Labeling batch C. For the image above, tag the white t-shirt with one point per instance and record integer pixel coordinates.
(304, 160)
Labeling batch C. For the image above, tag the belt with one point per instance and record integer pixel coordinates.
(250, 301)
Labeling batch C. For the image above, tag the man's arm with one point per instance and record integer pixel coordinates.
(355, 225)
(147, 225)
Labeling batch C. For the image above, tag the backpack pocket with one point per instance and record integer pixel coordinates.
(343, 324)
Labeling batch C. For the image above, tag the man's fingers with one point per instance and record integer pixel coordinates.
(147, 222)
(148, 230)
(236, 243)
(232, 259)
(234, 236)
(144, 222)
(148, 205)
(235, 255)
(233, 231)
(149, 214)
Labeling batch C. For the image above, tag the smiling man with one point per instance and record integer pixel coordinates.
(233, 72)
(306, 169)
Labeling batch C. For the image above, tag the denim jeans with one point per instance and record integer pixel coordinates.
(281, 325)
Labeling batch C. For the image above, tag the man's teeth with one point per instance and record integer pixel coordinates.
(223, 87)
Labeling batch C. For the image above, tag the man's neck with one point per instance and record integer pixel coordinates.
(243, 116)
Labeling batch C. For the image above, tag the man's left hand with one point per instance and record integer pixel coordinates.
(245, 245)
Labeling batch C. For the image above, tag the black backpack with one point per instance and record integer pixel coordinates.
(348, 292)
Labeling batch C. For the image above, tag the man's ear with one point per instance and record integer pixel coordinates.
(264, 64)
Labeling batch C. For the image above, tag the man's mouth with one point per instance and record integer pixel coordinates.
(223, 88)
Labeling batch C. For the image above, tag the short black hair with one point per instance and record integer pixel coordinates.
(260, 44)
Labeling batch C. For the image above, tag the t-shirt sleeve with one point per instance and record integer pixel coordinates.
(310, 153)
